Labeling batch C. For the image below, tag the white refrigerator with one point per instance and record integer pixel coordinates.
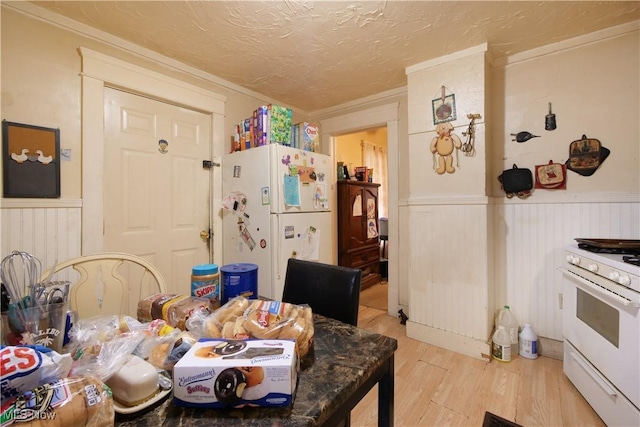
(276, 207)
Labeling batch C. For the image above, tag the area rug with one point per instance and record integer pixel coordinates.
(492, 420)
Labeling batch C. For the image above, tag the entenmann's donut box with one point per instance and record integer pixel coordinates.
(219, 373)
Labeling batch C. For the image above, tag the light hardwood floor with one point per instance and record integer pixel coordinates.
(437, 387)
(375, 296)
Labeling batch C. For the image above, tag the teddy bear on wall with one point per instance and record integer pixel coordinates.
(443, 145)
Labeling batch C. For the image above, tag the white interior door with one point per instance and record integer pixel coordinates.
(157, 195)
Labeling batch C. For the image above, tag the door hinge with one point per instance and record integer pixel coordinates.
(208, 164)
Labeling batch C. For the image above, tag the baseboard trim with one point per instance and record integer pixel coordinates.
(551, 348)
(449, 340)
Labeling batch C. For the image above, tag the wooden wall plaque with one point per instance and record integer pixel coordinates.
(31, 161)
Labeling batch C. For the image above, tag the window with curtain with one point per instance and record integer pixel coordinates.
(375, 157)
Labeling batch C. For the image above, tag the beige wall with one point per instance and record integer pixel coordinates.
(349, 149)
(465, 79)
(580, 79)
(594, 91)
(41, 86)
(398, 96)
(41, 70)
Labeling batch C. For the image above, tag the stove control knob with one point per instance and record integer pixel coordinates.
(573, 259)
(624, 280)
(593, 268)
(614, 275)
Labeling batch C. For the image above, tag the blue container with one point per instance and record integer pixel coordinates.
(239, 280)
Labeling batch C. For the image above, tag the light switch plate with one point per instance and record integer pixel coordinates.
(65, 153)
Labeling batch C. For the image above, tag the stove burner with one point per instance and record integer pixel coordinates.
(635, 260)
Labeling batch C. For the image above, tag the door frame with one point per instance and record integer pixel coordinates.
(100, 71)
(384, 115)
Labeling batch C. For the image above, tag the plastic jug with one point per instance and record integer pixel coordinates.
(528, 342)
(507, 319)
(501, 345)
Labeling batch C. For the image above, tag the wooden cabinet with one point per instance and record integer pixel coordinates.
(358, 239)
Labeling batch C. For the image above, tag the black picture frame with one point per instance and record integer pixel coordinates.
(31, 161)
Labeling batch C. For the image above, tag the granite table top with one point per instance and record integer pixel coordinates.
(343, 361)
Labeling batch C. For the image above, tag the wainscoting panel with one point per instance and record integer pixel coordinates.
(530, 241)
(466, 261)
(449, 276)
(49, 233)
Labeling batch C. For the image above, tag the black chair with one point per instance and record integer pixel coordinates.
(330, 290)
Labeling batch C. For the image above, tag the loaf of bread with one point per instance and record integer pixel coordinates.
(172, 308)
(70, 402)
(241, 318)
(178, 311)
(265, 319)
(150, 308)
(168, 349)
(231, 310)
(225, 316)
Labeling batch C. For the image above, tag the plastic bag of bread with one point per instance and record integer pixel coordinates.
(165, 345)
(210, 325)
(26, 367)
(69, 402)
(174, 309)
(100, 345)
(280, 320)
(241, 318)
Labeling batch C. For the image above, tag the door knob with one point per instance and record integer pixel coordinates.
(204, 235)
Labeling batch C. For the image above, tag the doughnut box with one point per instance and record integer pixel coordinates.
(221, 373)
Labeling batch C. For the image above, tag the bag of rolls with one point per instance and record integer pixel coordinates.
(172, 308)
(242, 318)
(69, 402)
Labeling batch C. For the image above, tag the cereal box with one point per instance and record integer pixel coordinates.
(279, 125)
(309, 138)
(220, 373)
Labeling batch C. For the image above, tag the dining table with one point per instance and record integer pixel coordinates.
(345, 363)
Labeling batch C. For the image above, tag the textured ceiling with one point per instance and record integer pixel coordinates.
(316, 54)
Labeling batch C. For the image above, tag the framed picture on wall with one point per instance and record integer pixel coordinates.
(31, 161)
(444, 109)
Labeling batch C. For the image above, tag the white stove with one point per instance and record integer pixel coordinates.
(601, 328)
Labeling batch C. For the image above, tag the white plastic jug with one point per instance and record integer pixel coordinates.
(528, 342)
(507, 319)
(501, 345)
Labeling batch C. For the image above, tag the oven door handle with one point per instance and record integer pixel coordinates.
(587, 285)
(595, 376)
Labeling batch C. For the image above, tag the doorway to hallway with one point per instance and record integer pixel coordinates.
(368, 118)
(368, 148)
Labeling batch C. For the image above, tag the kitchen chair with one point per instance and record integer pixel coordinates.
(109, 283)
(330, 290)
